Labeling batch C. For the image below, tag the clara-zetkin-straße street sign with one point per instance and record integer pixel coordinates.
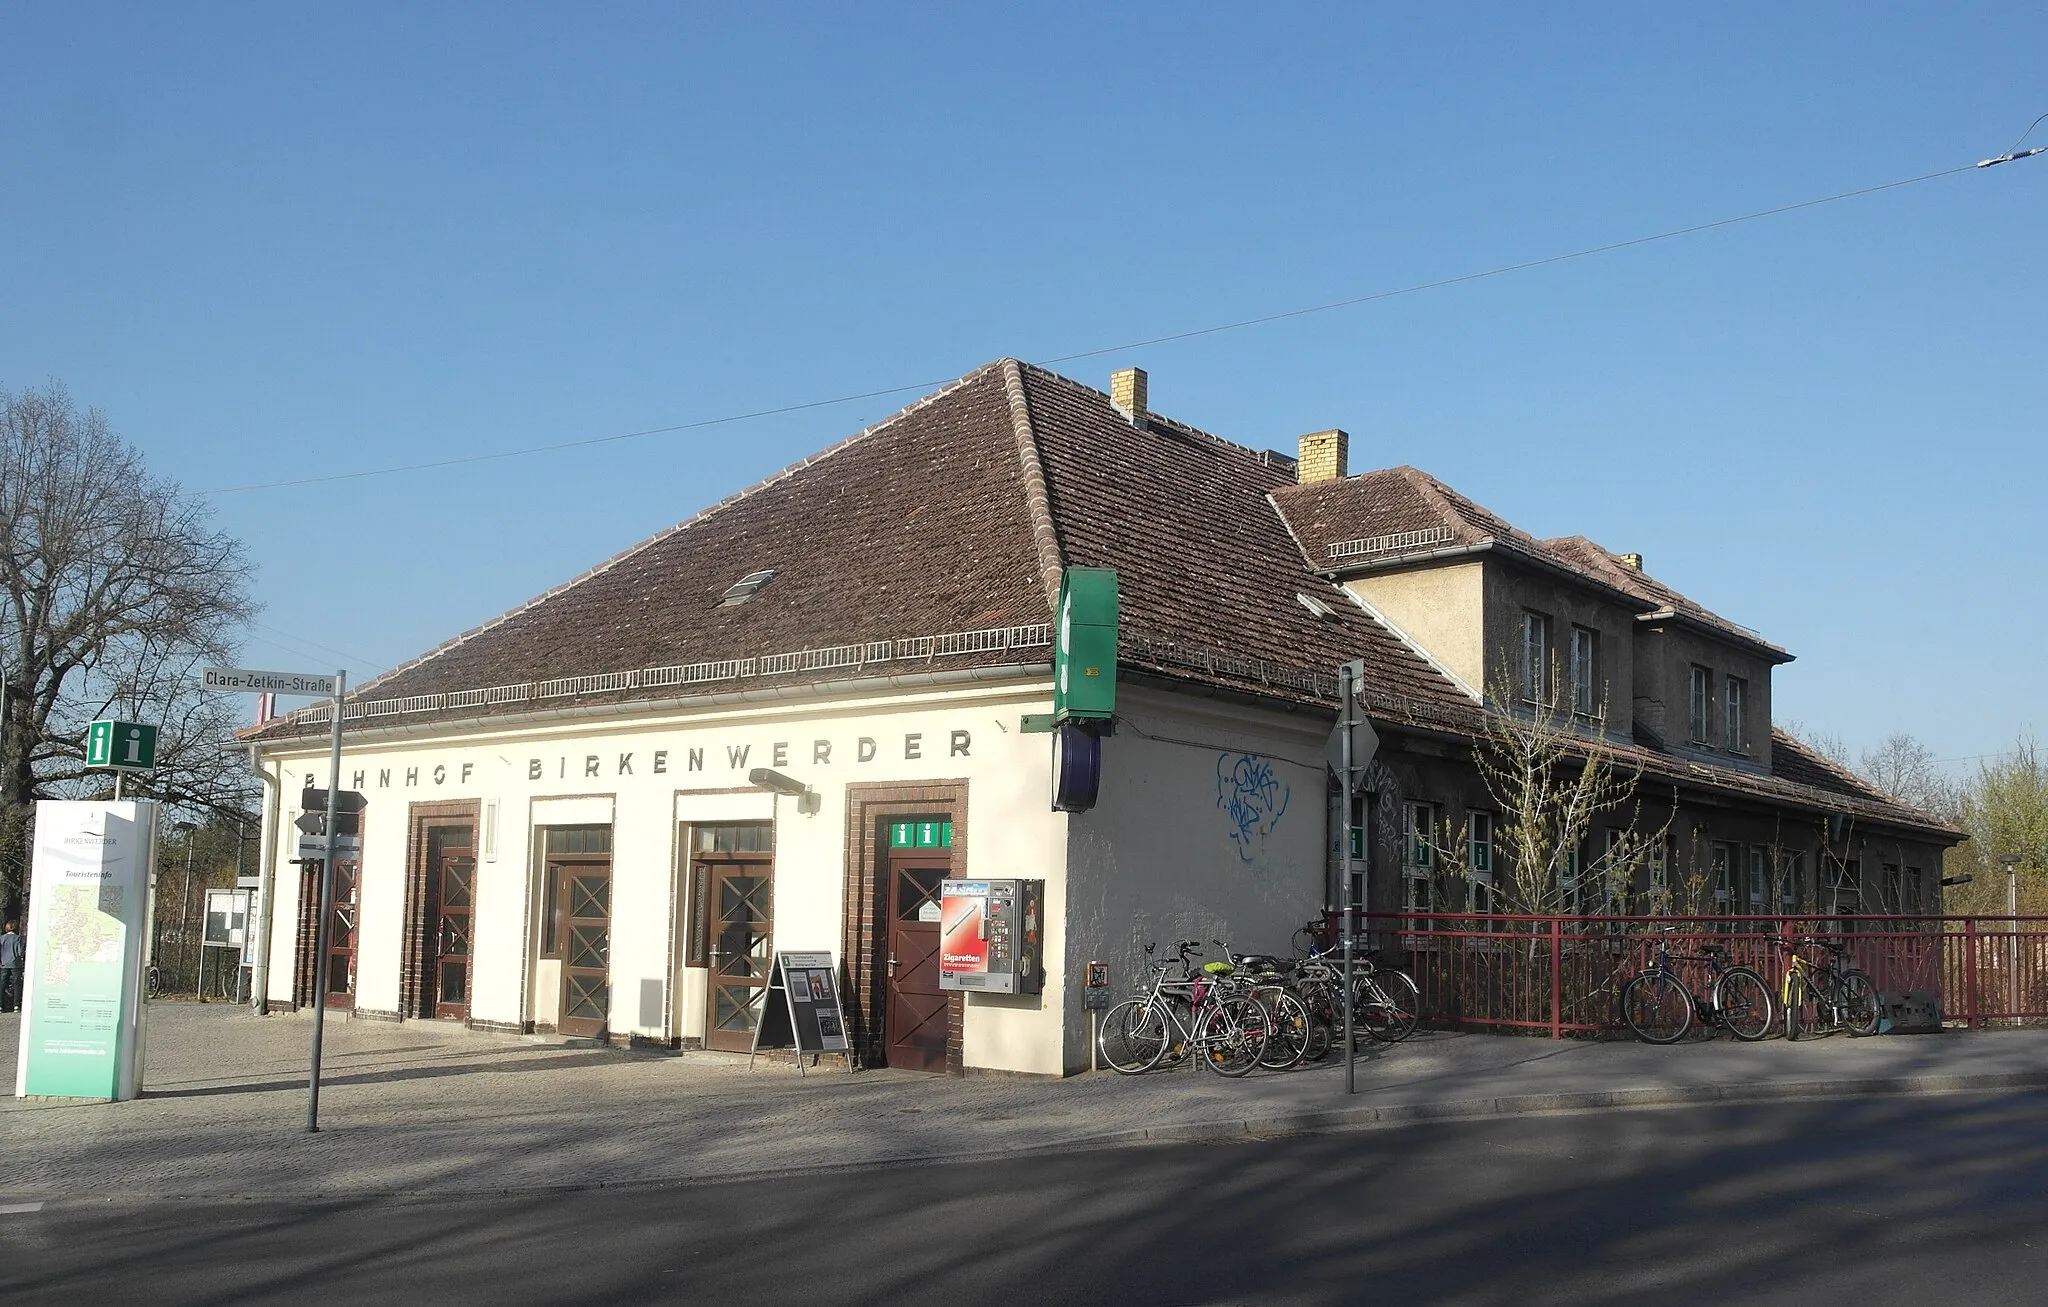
(241, 680)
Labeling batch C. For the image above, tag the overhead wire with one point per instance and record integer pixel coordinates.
(1240, 324)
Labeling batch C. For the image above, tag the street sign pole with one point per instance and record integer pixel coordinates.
(1351, 750)
(1347, 690)
(320, 961)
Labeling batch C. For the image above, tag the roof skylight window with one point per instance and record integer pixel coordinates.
(744, 589)
(1322, 610)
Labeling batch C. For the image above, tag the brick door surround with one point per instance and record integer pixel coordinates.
(864, 939)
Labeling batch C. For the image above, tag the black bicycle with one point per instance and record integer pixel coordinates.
(1823, 996)
(1660, 1007)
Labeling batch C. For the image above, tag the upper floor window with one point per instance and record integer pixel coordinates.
(1735, 729)
(1585, 671)
(1702, 705)
(1535, 657)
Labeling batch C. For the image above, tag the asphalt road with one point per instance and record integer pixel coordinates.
(1940, 1200)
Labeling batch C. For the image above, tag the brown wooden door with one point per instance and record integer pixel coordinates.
(585, 913)
(915, 1021)
(742, 904)
(451, 891)
(339, 969)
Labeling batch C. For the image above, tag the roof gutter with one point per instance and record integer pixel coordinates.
(1492, 544)
(1687, 620)
(723, 699)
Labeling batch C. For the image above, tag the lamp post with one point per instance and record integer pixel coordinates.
(2011, 862)
(185, 828)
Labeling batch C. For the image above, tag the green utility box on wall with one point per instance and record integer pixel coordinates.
(1084, 660)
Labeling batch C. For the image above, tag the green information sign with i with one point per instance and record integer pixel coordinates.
(920, 834)
(121, 746)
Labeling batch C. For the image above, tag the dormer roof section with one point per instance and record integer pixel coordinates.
(1402, 517)
(1666, 604)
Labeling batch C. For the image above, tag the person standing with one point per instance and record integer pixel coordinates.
(11, 953)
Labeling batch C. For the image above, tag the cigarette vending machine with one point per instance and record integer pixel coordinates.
(992, 936)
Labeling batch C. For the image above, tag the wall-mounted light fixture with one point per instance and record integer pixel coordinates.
(808, 800)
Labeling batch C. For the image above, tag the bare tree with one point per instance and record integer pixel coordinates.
(1551, 775)
(116, 588)
(1905, 768)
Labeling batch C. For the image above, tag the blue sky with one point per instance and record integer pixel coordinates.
(275, 241)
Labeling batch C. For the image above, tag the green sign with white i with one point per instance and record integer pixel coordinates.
(920, 834)
(121, 746)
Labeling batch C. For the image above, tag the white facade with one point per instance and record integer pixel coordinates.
(1211, 823)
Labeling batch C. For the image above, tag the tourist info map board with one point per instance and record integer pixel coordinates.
(81, 1025)
(801, 1009)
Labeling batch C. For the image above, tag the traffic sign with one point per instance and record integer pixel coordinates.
(120, 746)
(240, 680)
(1365, 743)
(313, 848)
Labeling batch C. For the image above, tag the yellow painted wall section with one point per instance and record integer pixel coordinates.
(1440, 609)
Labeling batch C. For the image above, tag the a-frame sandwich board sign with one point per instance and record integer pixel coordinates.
(801, 1009)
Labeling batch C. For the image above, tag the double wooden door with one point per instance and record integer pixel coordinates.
(916, 1018)
(338, 968)
(450, 907)
(742, 906)
(585, 915)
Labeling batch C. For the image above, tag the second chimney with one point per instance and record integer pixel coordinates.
(1127, 392)
(1324, 457)
(1633, 562)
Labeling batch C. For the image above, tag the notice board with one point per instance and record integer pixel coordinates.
(802, 1009)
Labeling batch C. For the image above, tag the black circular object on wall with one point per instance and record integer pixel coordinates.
(1076, 768)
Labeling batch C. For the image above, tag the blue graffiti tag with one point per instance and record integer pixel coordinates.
(1252, 796)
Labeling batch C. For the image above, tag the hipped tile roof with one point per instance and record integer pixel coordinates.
(955, 516)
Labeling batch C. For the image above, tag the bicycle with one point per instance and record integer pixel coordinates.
(1292, 1035)
(1822, 997)
(1386, 1005)
(1185, 1016)
(1660, 1007)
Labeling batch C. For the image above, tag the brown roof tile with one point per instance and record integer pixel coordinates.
(1589, 558)
(956, 515)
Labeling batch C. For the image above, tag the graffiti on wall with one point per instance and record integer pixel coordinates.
(1253, 799)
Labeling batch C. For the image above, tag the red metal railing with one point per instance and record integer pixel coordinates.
(1564, 973)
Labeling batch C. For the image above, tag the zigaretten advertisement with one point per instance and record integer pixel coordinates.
(81, 1033)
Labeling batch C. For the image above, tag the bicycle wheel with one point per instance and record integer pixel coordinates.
(1288, 1037)
(1802, 1007)
(1744, 1002)
(1232, 1036)
(1132, 1036)
(1657, 1008)
(1389, 1005)
(1859, 1003)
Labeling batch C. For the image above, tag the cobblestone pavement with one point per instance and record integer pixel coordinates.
(430, 1108)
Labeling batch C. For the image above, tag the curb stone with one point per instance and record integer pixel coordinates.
(1397, 1114)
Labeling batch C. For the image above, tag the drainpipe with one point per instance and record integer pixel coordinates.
(259, 963)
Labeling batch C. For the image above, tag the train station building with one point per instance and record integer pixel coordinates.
(566, 828)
